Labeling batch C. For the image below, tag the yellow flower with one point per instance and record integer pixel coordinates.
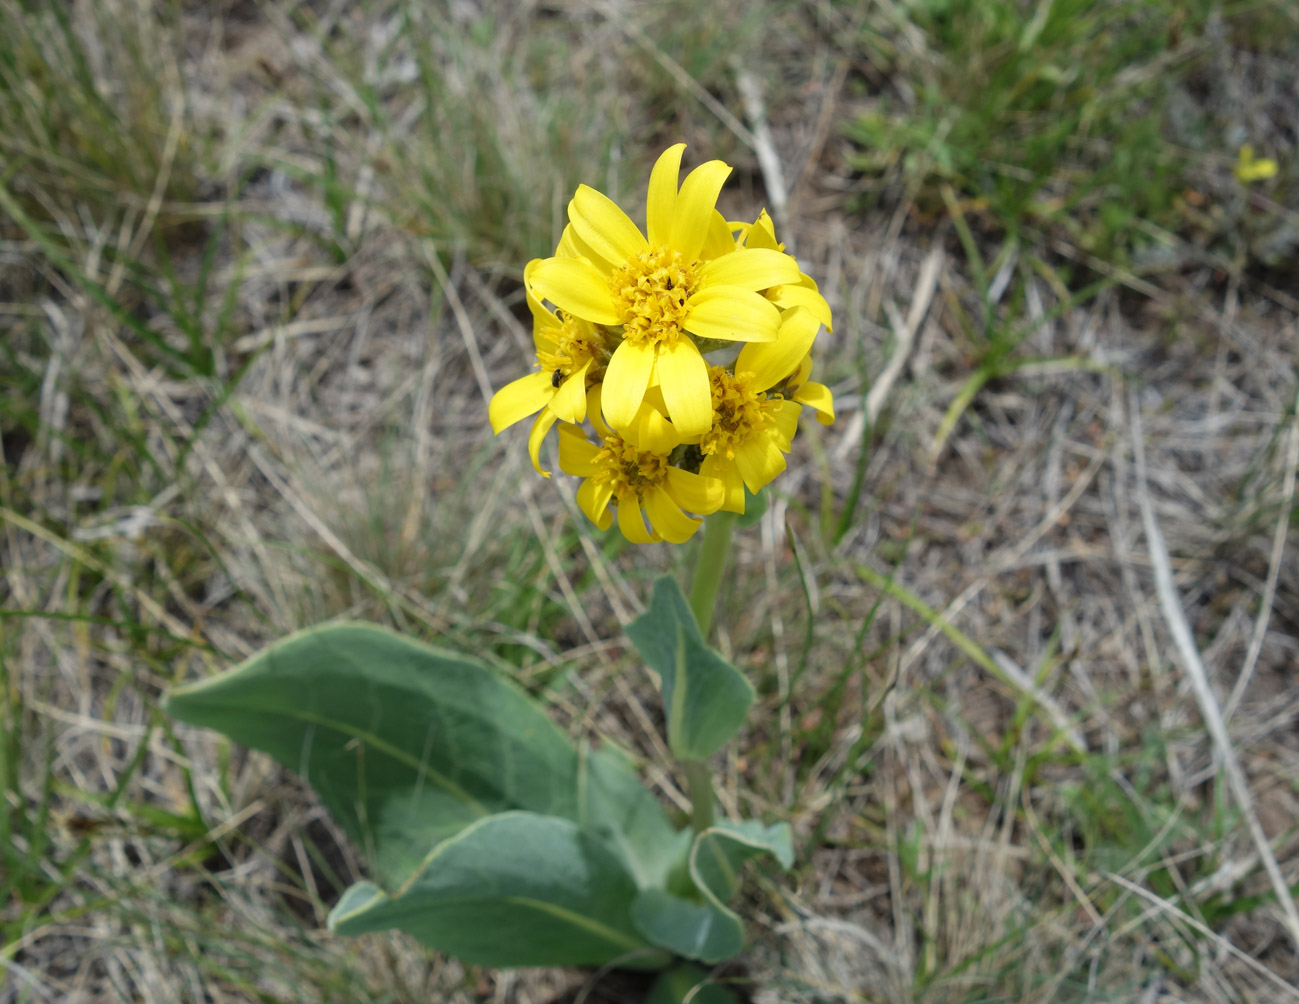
(663, 287)
(1248, 169)
(752, 430)
(632, 471)
(571, 354)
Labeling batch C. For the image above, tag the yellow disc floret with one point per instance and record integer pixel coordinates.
(575, 342)
(739, 413)
(650, 293)
(629, 472)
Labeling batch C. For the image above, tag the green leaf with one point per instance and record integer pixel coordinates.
(516, 889)
(705, 698)
(704, 927)
(615, 805)
(407, 745)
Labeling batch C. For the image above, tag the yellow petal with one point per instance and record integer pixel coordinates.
(518, 399)
(572, 246)
(662, 195)
(786, 415)
(817, 396)
(693, 213)
(699, 492)
(594, 412)
(763, 234)
(605, 228)
(755, 269)
(625, 381)
(759, 460)
(666, 517)
(569, 402)
(537, 436)
(577, 453)
(631, 522)
(683, 377)
(720, 239)
(651, 431)
(772, 362)
(799, 295)
(593, 496)
(576, 286)
(541, 314)
(731, 313)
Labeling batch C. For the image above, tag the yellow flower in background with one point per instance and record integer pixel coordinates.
(633, 472)
(662, 288)
(751, 432)
(572, 354)
(1248, 169)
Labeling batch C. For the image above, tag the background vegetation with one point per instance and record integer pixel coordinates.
(259, 274)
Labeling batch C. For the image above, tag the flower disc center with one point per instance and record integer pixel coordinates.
(650, 292)
(738, 413)
(628, 470)
(575, 343)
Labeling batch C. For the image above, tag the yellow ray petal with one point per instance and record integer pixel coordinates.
(518, 399)
(754, 269)
(662, 195)
(786, 415)
(569, 402)
(763, 234)
(817, 396)
(593, 496)
(771, 362)
(693, 213)
(667, 518)
(731, 313)
(537, 436)
(683, 378)
(625, 381)
(759, 460)
(577, 453)
(594, 412)
(723, 471)
(651, 431)
(798, 295)
(631, 522)
(576, 286)
(698, 492)
(720, 239)
(605, 228)
(572, 246)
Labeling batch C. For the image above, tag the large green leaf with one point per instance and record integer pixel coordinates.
(705, 698)
(702, 926)
(516, 889)
(407, 745)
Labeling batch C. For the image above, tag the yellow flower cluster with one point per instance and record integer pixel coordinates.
(622, 345)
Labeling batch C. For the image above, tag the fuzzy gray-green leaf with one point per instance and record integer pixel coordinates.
(705, 698)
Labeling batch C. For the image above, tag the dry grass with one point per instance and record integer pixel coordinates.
(973, 712)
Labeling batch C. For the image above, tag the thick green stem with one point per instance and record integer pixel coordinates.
(709, 565)
(700, 784)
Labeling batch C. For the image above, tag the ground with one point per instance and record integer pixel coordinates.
(260, 273)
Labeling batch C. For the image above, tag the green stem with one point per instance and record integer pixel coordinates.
(709, 565)
(699, 782)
